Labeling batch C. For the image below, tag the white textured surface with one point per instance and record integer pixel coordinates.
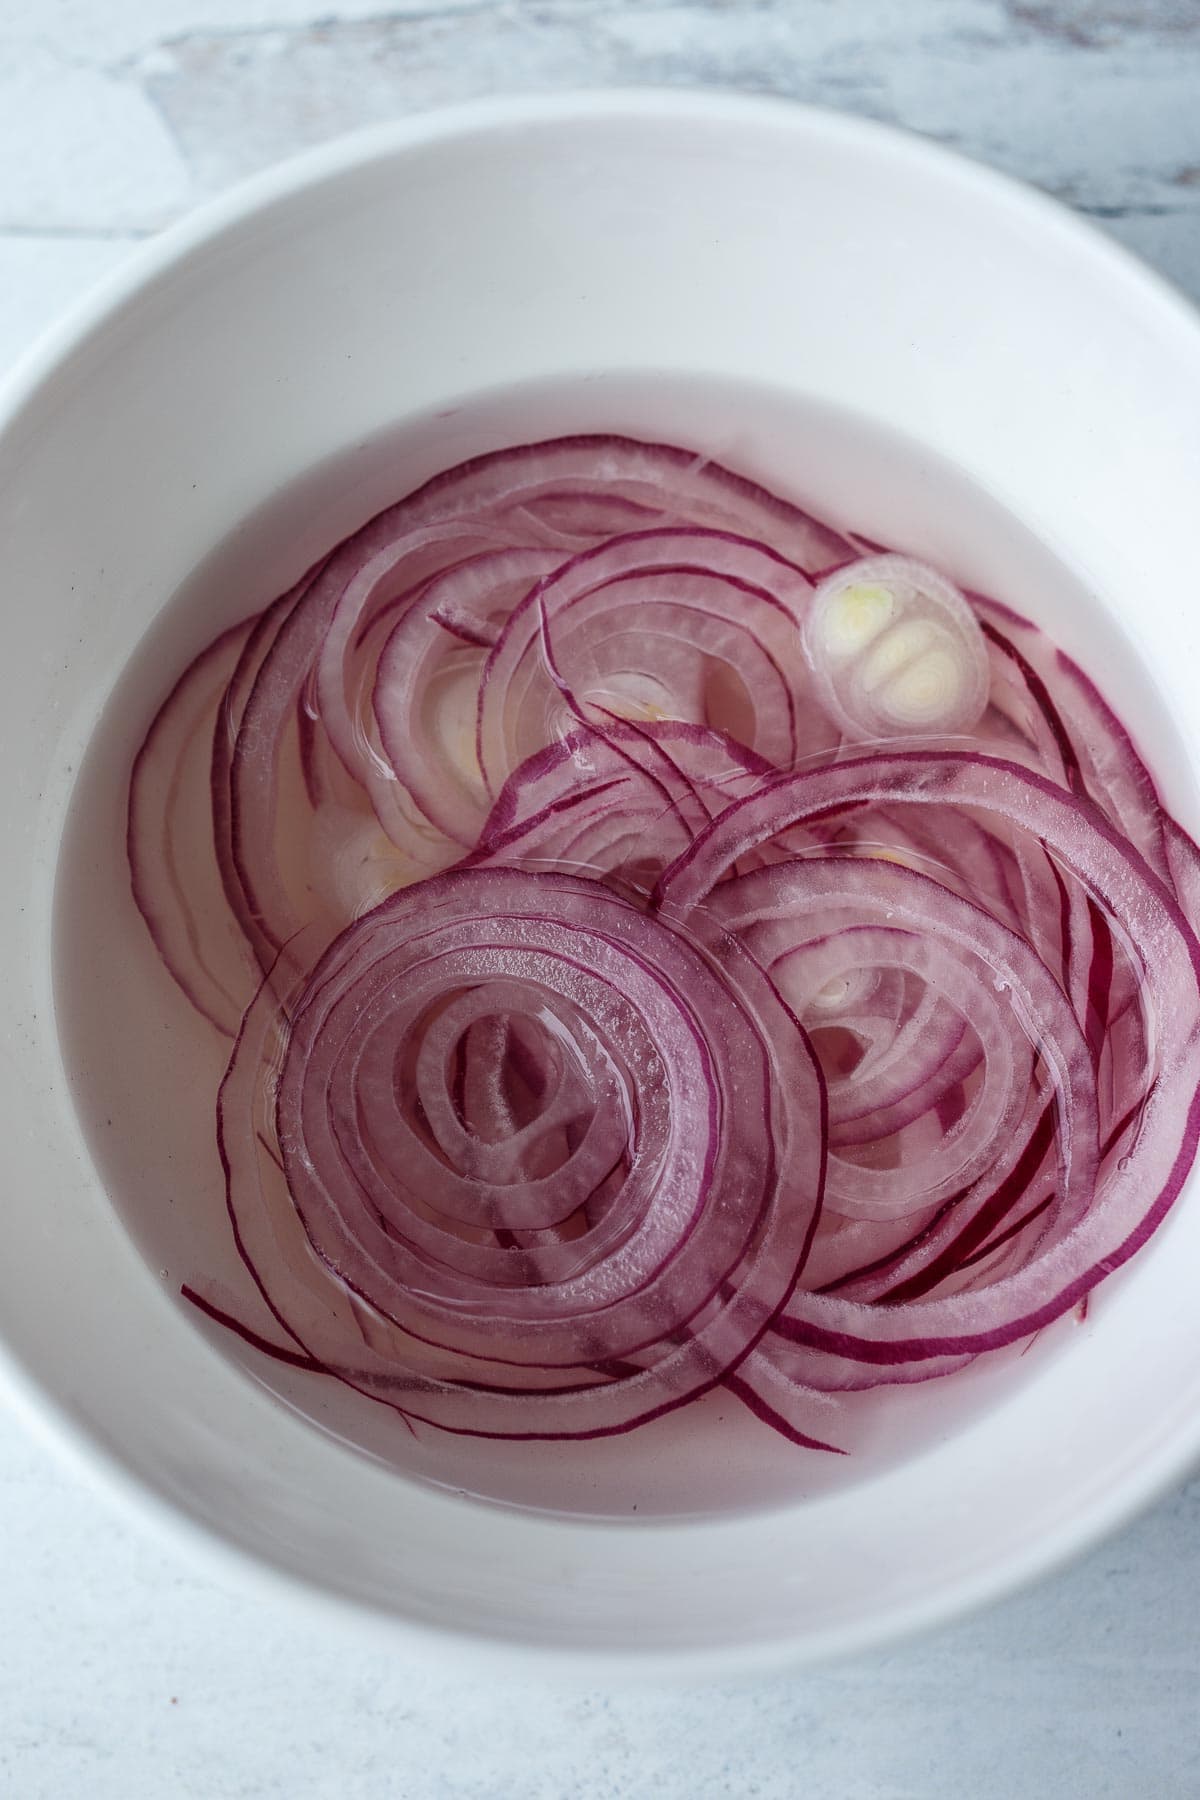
(122, 1673)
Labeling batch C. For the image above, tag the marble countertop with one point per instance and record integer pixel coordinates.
(122, 1671)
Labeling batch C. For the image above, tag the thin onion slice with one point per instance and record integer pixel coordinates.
(1140, 1189)
(680, 1056)
(618, 1009)
(714, 619)
(896, 650)
(618, 804)
(173, 866)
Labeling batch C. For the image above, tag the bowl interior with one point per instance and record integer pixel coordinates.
(786, 260)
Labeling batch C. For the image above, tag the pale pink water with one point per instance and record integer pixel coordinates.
(145, 1068)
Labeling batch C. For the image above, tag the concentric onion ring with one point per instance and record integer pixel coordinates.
(699, 626)
(739, 1045)
(1136, 1193)
(620, 803)
(981, 972)
(634, 1282)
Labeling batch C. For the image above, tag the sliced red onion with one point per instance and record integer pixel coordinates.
(592, 486)
(422, 569)
(741, 1046)
(563, 496)
(674, 1062)
(1077, 738)
(426, 691)
(175, 874)
(617, 804)
(896, 650)
(982, 972)
(1138, 1192)
(694, 625)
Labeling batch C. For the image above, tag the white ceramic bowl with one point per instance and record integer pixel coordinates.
(404, 270)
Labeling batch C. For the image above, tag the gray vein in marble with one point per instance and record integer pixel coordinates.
(207, 93)
(1096, 24)
(984, 82)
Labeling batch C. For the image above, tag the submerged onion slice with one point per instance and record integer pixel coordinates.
(693, 625)
(323, 684)
(426, 684)
(174, 872)
(618, 804)
(556, 499)
(1058, 715)
(892, 1149)
(896, 650)
(511, 1113)
(742, 1044)
(900, 1324)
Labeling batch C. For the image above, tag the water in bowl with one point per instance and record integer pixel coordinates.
(144, 1068)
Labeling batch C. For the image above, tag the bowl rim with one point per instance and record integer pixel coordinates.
(47, 1418)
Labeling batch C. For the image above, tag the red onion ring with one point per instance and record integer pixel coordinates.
(680, 1057)
(715, 616)
(617, 804)
(1138, 1192)
(723, 1054)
